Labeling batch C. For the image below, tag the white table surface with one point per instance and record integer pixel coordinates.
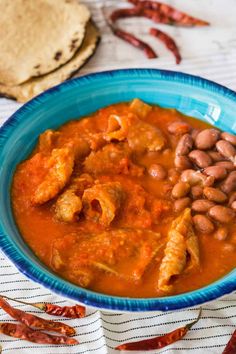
(208, 52)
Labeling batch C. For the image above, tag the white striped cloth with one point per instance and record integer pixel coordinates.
(208, 52)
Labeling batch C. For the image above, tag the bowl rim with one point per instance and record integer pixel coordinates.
(219, 288)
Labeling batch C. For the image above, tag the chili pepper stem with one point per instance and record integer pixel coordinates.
(190, 325)
(20, 301)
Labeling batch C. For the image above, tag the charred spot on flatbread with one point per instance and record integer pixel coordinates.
(58, 55)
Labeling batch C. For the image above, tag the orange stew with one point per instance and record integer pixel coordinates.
(136, 200)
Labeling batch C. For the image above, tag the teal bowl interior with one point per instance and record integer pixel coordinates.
(79, 97)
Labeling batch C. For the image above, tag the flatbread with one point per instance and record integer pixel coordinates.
(38, 36)
(33, 87)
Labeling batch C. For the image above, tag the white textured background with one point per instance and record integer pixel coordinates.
(211, 53)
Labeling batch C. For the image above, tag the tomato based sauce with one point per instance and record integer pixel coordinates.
(92, 205)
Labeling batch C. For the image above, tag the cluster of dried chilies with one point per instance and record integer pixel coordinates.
(158, 13)
(31, 328)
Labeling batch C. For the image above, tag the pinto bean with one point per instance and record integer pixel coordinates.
(229, 166)
(233, 205)
(182, 162)
(214, 194)
(180, 190)
(173, 175)
(157, 171)
(184, 145)
(215, 156)
(191, 176)
(232, 198)
(218, 172)
(196, 177)
(200, 158)
(194, 133)
(222, 233)
(202, 205)
(229, 137)
(222, 214)
(181, 204)
(207, 138)
(203, 224)
(178, 128)
(225, 149)
(229, 184)
(196, 192)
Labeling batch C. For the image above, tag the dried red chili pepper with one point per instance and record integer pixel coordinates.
(76, 311)
(160, 341)
(23, 332)
(35, 321)
(231, 346)
(128, 37)
(135, 42)
(139, 11)
(123, 13)
(169, 42)
(157, 17)
(155, 5)
(168, 13)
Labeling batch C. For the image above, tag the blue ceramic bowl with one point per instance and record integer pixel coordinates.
(191, 95)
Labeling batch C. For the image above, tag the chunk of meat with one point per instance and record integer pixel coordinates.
(141, 209)
(174, 260)
(69, 203)
(146, 256)
(143, 137)
(35, 171)
(192, 249)
(61, 250)
(134, 211)
(182, 242)
(96, 141)
(112, 159)
(111, 251)
(47, 140)
(101, 203)
(68, 206)
(118, 128)
(60, 167)
(184, 225)
(80, 148)
(140, 108)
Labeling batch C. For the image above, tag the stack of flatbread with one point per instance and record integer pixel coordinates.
(42, 43)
